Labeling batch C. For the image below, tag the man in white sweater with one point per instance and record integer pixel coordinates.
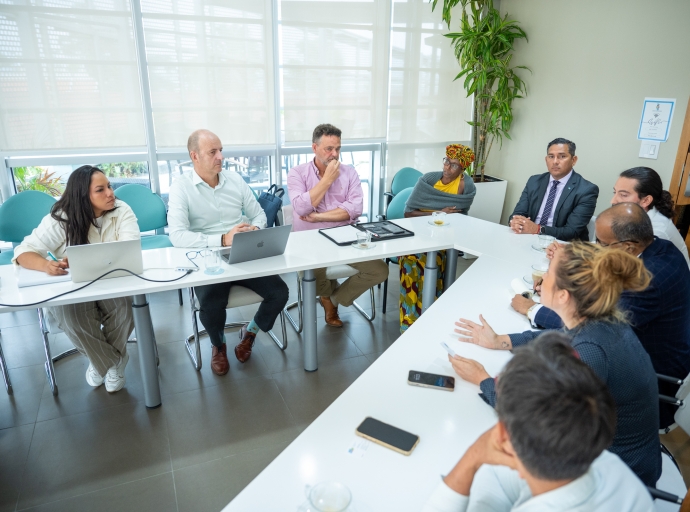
(548, 450)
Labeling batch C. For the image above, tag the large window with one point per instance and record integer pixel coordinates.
(210, 65)
(112, 81)
(68, 75)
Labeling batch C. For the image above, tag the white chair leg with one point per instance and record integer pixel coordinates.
(5, 372)
(298, 303)
(373, 307)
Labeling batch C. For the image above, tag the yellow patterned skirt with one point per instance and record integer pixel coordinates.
(412, 285)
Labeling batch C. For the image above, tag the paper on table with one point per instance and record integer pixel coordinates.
(342, 234)
(26, 277)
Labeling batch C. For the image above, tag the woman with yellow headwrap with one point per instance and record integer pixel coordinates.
(450, 191)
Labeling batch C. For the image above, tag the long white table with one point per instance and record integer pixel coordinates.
(447, 423)
(306, 250)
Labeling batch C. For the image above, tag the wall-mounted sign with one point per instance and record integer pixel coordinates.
(657, 114)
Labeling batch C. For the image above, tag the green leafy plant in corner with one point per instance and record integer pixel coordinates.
(484, 49)
(38, 178)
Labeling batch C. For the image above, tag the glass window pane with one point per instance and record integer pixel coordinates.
(68, 76)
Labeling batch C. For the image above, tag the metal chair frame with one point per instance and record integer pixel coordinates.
(195, 353)
(298, 325)
(5, 372)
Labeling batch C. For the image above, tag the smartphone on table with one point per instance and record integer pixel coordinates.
(387, 435)
(431, 380)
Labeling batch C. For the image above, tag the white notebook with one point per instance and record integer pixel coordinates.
(26, 277)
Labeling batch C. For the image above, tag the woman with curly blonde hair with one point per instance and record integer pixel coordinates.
(583, 285)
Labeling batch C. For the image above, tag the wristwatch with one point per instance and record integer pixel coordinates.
(541, 230)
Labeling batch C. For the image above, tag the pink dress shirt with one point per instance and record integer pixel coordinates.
(345, 193)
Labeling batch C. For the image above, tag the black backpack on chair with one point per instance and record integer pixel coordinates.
(272, 201)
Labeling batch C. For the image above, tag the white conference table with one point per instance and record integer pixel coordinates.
(447, 423)
(306, 250)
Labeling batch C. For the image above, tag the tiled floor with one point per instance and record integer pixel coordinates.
(88, 450)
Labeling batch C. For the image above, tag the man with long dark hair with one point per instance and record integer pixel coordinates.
(642, 185)
(207, 207)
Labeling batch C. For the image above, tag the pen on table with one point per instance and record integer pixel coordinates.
(373, 234)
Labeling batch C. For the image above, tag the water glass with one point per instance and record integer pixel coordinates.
(363, 238)
(545, 241)
(211, 260)
(438, 218)
(328, 497)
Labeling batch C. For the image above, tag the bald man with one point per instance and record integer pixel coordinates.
(207, 207)
(659, 315)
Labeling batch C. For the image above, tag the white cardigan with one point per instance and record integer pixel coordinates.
(118, 224)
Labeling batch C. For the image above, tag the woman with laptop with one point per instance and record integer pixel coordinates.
(87, 213)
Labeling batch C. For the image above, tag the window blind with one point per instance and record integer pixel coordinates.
(68, 75)
(210, 66)
(426, 105)
(334, 66)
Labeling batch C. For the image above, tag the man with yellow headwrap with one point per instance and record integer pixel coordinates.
(452, 191)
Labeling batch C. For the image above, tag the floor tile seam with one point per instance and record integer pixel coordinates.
(26, 460)
(172, 466)
(292, 417)
(93, 491)
(323, 363)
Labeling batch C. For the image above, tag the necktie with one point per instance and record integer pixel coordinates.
(549, 204)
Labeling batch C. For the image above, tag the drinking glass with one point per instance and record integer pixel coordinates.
(211, 261)
(363, 238)
(327, 497)
(545, 241)
(438, 218)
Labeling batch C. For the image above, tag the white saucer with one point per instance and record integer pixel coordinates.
(528, 279)
(446, 223)
(363, 247)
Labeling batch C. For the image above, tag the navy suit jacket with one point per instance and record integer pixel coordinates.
(574, 209)
(659, 315)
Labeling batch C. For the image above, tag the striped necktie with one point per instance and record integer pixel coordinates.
(549, 204)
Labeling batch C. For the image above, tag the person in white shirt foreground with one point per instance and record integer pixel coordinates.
(548, 450)
(642, 185)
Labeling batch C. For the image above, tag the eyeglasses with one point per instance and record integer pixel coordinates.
(455, 167)
(615, 243)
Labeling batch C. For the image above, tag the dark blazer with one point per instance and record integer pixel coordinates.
(659, 315)
(615, 354)
(574, 209)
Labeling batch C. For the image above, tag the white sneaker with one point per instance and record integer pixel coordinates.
(115, 378)
(92, 377)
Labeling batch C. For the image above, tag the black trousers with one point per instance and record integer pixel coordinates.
(213, 299)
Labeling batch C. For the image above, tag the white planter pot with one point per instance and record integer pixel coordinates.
(488, 203)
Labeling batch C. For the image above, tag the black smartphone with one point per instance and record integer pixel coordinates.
(392, 228)
(387, 435)
(431, 380)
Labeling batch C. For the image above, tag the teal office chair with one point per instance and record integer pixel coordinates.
(19, 215)
(151, 214)
(395, 210)
(405, 178)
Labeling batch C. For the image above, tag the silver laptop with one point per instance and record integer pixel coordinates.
(257, 244)
(87, 262)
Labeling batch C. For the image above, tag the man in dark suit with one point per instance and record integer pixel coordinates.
(560, 202)
(659, 315)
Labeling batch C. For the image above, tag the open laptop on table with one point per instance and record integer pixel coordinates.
(257, 244)
(87, 262)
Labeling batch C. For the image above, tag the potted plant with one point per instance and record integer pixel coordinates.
(484, 49)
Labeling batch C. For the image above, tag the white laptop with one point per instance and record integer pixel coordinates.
(90, 261)
(257, 244)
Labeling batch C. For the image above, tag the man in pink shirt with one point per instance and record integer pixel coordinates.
(325, 193)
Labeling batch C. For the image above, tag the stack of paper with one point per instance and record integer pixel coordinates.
(26, 277)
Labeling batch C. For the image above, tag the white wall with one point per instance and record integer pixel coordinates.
(593, 63)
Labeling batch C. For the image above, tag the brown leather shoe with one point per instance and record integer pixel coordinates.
(332, 317)
(219, 360)
(243, 351)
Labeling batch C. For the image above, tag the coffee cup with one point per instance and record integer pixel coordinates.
(538, 271)
(363, 238)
